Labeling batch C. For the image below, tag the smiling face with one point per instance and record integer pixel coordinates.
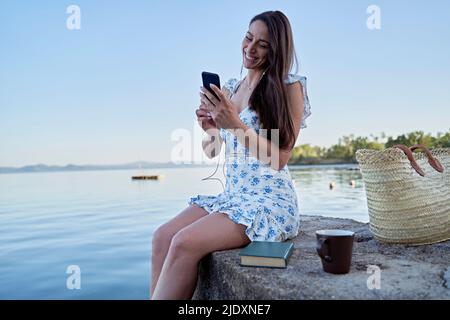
(256, 46)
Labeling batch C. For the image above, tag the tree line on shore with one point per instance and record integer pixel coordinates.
(344, 151)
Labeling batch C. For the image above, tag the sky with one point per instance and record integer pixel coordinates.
(115, 90)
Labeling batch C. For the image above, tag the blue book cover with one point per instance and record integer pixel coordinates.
(266, 254)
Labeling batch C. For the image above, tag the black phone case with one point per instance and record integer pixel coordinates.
(209, 77)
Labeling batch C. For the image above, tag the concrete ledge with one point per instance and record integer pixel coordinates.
(407, 272)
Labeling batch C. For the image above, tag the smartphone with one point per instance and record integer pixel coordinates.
(208, 78)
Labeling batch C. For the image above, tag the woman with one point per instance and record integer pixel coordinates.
(259, 202)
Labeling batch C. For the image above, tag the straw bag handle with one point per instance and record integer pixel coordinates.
(431, 160)
(410, 156)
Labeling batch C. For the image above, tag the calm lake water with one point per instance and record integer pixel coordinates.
(103, 222)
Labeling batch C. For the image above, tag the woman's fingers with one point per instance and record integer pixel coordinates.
(209, 96)
(217, 91)
(205, 108)
(201, 112)
(205, 115)
(206, 103)
(205, 100)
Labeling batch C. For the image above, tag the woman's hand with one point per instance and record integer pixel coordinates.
(204, 119)
(222, 110)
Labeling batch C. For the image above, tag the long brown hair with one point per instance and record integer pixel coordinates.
(270, 98)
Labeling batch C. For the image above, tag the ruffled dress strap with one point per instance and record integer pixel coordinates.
(292, 78)
(231, 85)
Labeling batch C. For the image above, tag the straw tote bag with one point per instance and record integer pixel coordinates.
(408, 196)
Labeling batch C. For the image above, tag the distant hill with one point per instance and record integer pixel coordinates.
(88, 167)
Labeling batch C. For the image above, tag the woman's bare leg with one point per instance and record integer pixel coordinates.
(164, 234)
(214, 232)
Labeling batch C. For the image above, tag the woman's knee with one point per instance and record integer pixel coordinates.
(183, 244)
(161, 240)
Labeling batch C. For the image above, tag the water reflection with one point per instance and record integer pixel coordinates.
(343, 200)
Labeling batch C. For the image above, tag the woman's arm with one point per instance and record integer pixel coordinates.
(225, 115)
(263, 149)
(212, 143)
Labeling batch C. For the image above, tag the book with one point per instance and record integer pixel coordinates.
(266, 254)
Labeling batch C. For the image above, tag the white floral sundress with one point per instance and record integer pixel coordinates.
(255, 195)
